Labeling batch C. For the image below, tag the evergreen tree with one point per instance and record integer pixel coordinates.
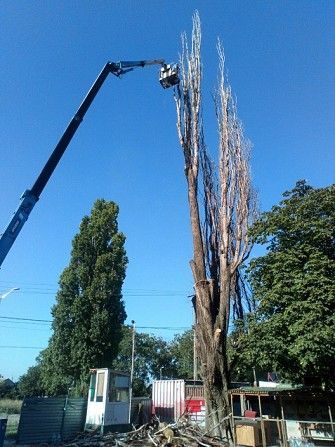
(89, 313)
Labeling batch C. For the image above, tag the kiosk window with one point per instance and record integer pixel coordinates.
(118, 395)
(92, 386)
(100, 387)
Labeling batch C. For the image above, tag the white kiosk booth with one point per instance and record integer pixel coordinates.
(108, 400)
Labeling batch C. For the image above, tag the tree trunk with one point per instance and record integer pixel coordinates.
(211, 348)
(219, 224)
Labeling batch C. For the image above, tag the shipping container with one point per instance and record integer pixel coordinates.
(173, 399)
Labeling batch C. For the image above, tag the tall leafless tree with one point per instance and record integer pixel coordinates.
(221, 205)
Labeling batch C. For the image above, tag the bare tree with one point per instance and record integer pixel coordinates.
(222, 205)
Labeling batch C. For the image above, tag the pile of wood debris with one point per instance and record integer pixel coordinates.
(181, 434)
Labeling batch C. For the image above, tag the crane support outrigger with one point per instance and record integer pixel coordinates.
(168, 78)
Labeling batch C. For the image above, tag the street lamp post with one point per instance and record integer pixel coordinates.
(5, 294)
(132, 369)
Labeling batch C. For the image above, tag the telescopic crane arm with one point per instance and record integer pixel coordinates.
(168, 78)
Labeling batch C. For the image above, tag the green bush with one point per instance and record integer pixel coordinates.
(10, 406)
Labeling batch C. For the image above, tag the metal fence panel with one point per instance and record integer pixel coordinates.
(74, 417)
(141, 408)
(50, 419)
(40, 420)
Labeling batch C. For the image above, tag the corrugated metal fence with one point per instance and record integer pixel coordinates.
(51, 419)
(141, 409)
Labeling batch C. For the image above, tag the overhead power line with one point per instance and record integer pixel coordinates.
(181, 328)
(44, 322)
(25, 328)
(26, 319)
(21, 347)
(51, 289)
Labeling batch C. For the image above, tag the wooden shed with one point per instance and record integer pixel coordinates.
(281, 415)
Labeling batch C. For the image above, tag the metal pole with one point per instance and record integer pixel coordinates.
(68, 134)
(233, 427)
(331, 420)
(131, 370)
(31, 196)
(284, 431)
(255, 377)
(195, 363)
(195, 360)
(262, 421)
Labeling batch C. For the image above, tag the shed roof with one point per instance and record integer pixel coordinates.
(282, 390)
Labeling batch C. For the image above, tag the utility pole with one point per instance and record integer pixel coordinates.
(195, 360)
(132, 369)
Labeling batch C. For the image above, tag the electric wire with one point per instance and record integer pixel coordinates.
(25, 328)
(51, 289)
(21, 347)
(18, 320)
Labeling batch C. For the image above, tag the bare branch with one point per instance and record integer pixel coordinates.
(220, 217)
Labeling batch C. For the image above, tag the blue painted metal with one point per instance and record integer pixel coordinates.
(3, 424)
(51, 420)
(16, 223)
(30, 197)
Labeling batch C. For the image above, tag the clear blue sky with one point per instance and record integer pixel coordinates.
(280, 58)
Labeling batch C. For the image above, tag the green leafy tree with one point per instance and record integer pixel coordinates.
(238, 355)
(182, 351)
(30, 383)
(152, 359)
(293, 330)
(89, 313)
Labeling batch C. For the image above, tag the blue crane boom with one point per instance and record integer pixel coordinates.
(168, 78)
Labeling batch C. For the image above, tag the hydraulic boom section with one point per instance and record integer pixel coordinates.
(168, 78)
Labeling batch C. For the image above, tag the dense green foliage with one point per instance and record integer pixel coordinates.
(89, 312)
(240, 353)
(293, 330)
(182, 353)
(31, 384)
(151, 354)
(154, 358)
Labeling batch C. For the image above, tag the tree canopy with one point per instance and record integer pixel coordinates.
(182, 351)
(151, 357)
(155, 358)
(89, 312)
(293, 330)
(30, 383)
